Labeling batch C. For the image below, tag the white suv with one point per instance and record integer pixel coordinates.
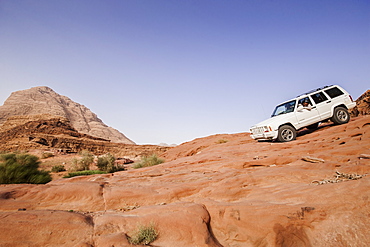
(307, 110)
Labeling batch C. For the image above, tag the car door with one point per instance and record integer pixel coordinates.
(323, 104)
(307, 115)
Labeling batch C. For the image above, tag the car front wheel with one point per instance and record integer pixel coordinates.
(286, 133)
(340, 116)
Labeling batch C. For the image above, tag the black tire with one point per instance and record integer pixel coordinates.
(286, 133)
(313, 126)
(340, 116)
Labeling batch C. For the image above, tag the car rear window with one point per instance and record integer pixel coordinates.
(334, 92)
(319, 97)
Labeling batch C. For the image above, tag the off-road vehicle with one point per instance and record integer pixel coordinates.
(307, 110)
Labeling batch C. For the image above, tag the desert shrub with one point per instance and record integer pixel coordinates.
(107, 163)
(75, 165)
(144, 234)
(83, 163)
(221, 141)
(148, 161)
(46, 155)
(83, 173)
(58, 168)
(21, 168)
(86, 160)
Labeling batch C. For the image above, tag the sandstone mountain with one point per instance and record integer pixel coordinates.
(221, 190)
(43, 100)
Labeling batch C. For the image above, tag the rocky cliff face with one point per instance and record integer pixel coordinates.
(363, 105)
(43, 100)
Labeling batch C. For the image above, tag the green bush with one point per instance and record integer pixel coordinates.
(21, 168)
(107, 163)
(147, 161)
(83, 173)
(58, 168)
(145, 234)
(84, 162)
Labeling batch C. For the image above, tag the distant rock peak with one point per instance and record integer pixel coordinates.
(44, 100)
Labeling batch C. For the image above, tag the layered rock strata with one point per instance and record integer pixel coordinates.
(55, 133)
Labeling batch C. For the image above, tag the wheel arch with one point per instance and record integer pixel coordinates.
(336, 106)
(290, 124)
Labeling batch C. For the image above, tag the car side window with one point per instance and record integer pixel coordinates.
(319, 97)
(334, 92)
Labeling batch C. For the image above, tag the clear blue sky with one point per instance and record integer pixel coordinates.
(170, 71)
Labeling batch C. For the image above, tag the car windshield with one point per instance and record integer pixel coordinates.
(284, 108)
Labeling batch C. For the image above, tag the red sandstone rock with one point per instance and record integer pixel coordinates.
(234, 192)
(45, 228)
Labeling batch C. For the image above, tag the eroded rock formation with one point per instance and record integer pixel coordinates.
(362, 105)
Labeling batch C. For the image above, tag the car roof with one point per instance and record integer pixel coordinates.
(309, 92)
(315, 90)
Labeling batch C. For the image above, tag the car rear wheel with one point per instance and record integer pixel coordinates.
(286, 133)
(340, 116)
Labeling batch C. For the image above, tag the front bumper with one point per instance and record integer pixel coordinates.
(264, 136)
(263, 133)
